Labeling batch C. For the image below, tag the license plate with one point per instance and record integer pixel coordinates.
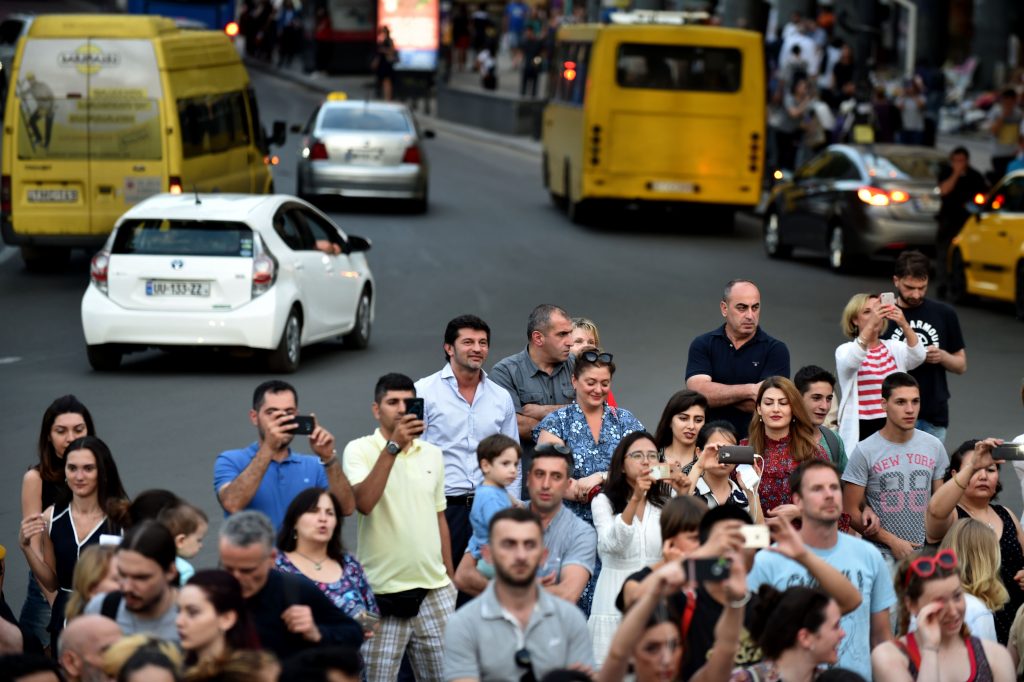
(53, 196)
(664, 186)
(165, 287)
(927, 204)
(363, 154)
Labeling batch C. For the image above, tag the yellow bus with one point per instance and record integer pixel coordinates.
(641, 111)
(106, 110)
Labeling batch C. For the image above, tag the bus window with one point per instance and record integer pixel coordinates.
(679, 67)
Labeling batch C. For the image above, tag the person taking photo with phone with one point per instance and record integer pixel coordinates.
(267, 475)
(969, 491)
(712, 479)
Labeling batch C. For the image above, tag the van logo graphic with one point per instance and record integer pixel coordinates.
(177, 264)
(89, 59)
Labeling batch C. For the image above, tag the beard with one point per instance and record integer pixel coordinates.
(513, 581)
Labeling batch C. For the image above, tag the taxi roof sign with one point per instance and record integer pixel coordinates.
(646, 16)
(337, 96)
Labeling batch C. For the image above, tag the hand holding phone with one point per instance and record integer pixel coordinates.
(414, 406)
(736, 454)
(755, 536)
(887, 298)
(1010, 452)
(304, 425)
(714, 570)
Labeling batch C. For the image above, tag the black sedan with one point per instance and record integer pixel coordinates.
(853, 202)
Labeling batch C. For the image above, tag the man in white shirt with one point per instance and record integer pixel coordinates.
(461, 408)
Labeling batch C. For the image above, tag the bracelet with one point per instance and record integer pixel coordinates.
(860, 342)
(332, 460)
(740, 603)
(958, 485)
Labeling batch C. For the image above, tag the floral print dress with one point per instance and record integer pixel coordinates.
(351, 593)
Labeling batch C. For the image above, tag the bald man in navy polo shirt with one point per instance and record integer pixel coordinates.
(727, 365)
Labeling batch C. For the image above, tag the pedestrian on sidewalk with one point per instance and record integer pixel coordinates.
(532, 49)
(1004, 123)
(384, 64)
(959, 182)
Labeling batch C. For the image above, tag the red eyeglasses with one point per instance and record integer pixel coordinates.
(924, 567)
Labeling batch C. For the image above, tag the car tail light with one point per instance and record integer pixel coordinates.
(98, 270)
(5, 194)
(979, 198)
(875, 196)
(174, 185)
(264, 274)
(231, 29)
(318, 152)
(412, 155)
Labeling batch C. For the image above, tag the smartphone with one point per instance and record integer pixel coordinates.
(660, 471)
(736, 454)
(708, 570)
(755, 536)
(748, 475)
(1013, 452)
(887, 298)
(305, 425)
(414, 406)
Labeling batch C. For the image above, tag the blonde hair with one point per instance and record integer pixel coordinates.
(91, 568)
(118, 654)
(848, 321)
(238, 666)
(588, 325)
(977, 548)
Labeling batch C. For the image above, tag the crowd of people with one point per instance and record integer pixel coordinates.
(520, 524)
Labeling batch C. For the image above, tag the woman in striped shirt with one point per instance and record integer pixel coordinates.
(863, 363)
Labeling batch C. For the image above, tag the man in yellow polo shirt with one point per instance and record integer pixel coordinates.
(403, 545)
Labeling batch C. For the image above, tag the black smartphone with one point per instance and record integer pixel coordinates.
(305, 425)
(1012, 452)
(736, 454)
(414, 406)
(708, 570)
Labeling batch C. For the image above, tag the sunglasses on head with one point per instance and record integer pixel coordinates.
(553, 447)
(594, 356)
(924, 567)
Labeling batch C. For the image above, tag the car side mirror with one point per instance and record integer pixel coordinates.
(356, 243)
(429, 134)
(295, 128)
(280, 132)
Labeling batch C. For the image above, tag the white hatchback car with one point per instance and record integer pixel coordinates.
(263, 272)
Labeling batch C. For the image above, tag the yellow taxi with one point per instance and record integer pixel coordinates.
(987, 258)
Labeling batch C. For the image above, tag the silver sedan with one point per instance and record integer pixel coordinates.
(363, 149)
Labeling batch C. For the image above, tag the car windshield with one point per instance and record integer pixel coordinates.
(903, 166)
(365, 119)
(161, 237)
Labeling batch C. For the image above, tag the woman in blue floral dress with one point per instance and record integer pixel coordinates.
(592, 429)
(309, 545)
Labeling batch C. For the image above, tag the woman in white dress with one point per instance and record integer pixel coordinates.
(627, 515)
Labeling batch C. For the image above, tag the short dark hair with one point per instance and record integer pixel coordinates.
(149, 504)
(183, 518)
(898, 380)
(493, 445)
(733, 282)
(812, 374)
(723, 512)
(153, 541)
(796, 478)
(516, 514)
(541, 452)
(540, 318)
(960, 150)
(392, 382)
(451, 332)
(780, 616)
(711, 428)
(145, 656)
(272, 386)
(912, 264)
(312, 665)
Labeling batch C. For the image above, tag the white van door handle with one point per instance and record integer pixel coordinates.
(299, 266)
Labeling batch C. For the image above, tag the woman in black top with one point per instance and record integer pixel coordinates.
(64, 420)
(93, 504)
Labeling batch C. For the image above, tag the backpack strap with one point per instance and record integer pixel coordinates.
(832, 440)
(111, 603)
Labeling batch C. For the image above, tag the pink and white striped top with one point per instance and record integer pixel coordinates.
(876, 367)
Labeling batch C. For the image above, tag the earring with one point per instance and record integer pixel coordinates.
(295, 535)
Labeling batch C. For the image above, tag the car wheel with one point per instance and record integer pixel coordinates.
(300, 190)
(773, 245)
(1018, 299)
(104, 357)
(420, 205)
(359, 337)
(285, 358)
(957, 288)
(838, 258)
(577, 211)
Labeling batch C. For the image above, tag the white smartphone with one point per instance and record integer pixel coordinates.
(887, 298)
(660, 471)
(755, 536)
(748, 475)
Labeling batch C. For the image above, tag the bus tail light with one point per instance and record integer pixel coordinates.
(412, 155)
(5, 194)
(595, 145)
(98, 269)
(174, 185)
(875, 196)
(231, 29)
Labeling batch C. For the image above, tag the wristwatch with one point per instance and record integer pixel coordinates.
(393, 448)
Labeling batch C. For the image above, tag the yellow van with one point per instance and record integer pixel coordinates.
(106, 110)
(644, 111)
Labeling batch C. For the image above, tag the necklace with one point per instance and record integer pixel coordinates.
(317, 565)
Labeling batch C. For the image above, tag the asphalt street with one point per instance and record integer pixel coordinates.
(492, 244)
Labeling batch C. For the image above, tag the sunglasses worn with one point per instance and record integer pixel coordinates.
(924, 567)
(524, 660)
(594, 356)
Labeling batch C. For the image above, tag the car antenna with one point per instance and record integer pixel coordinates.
(195, 190)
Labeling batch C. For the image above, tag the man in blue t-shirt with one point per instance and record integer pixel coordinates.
(267, 475)
(818, 496)
(727, 365)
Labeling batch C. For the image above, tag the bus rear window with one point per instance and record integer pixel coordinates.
(161, 237)
(679, 67)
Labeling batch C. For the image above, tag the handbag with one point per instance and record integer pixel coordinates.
(404, 604)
